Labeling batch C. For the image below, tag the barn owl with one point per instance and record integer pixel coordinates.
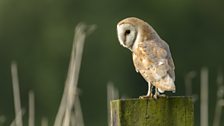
(151, 55)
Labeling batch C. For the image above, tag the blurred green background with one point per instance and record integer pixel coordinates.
(39, 34)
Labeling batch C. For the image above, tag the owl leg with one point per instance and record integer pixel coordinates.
(149, 94)
(156, 95)
(149, 90)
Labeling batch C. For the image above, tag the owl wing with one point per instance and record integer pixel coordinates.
(153, 60)
(170, 60)
(172, 67)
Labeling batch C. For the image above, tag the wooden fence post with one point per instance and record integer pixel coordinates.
(166, 111)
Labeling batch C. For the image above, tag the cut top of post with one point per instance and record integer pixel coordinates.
(165, 111)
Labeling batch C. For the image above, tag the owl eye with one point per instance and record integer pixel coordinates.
(127, 32)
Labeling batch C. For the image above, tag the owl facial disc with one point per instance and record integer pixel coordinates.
(126, 35)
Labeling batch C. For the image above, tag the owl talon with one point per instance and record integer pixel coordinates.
(157, 95)
(146, 96)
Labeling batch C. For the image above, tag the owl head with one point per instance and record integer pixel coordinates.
(132, 30)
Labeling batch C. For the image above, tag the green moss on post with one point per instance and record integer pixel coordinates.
(171, 111)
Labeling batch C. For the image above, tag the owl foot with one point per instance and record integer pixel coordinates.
(157, 95)
(146, 96)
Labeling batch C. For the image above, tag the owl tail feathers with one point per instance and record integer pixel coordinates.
(165, 84)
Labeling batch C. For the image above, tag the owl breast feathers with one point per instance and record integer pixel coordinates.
(151, 55)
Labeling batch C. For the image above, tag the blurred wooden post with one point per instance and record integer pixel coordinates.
(171, 111)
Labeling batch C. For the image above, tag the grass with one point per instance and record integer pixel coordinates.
(69, 111)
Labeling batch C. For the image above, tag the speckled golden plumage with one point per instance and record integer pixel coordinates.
(151, 55)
